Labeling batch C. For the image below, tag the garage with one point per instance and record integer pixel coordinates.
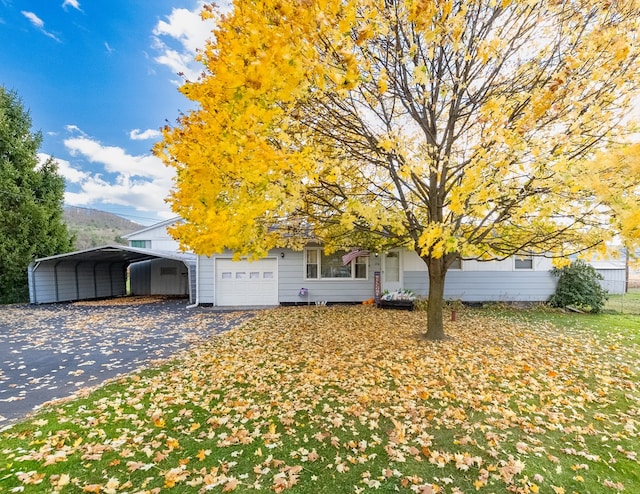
(102, 272)
(245, 283)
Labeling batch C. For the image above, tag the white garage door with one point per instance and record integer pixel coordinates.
(246, 283)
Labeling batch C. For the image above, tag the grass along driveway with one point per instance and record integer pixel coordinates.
(349, 399)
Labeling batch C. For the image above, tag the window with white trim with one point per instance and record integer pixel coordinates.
(142, 244)
(319, 265)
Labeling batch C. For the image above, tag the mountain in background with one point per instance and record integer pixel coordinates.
(93, 228)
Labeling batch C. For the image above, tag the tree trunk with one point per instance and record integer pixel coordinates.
(437, 272)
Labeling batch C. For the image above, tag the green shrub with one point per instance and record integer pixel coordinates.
(579, 287)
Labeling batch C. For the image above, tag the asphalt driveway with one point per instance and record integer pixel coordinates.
(51, 352)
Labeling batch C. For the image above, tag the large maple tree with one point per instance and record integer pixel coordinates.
(454, 128)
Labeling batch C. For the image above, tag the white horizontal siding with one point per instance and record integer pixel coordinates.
(413, 262)
(206, 280)
(291, 271)
(614, 280)
(482, 286)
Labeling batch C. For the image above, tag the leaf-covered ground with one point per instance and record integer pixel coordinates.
(51, 351)
(351, 399)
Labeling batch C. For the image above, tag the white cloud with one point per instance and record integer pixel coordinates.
(70, 174)
(179, 63)
(178, 37)
(115, 159)
(71, 3)
(137, 135)
(38, 24)
(74, 128)
(139, 182)
(34, 19)
(108, 48)
(137, 194)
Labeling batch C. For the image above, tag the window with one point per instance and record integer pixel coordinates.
(166, 271)
(331, 266)
(457, 263)
(142, 244)
(361, 265)
(312, 257)
(523, 261)
(322, 266)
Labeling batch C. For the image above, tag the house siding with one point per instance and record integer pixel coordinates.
(156, 236)
(206, 280)
(486, 286)
(489, 281)
(614, 280)
(291, 279)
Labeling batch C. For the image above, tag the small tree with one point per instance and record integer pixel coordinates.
(31, 196)
(579, 286)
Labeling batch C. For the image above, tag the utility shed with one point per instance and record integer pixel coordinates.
(101, 272)
(614, 274)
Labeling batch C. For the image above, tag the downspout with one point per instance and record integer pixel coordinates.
(197, 302)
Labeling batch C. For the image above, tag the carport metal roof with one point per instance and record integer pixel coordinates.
(117, 253)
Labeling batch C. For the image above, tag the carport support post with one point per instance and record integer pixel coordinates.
(77, 281)
(55, 279)
(95, 281)
(32, 280)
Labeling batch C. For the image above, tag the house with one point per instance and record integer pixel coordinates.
(310, 276)
(154, 237)
(284, 276)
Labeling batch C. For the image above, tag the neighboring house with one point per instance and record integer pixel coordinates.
(154, 237)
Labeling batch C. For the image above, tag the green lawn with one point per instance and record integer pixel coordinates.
(350, 399)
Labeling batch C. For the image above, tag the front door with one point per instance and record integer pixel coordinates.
(391, 271)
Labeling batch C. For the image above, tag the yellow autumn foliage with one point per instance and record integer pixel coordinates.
(470, 133)
(432, 124)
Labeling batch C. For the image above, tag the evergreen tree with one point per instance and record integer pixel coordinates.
(31, 199)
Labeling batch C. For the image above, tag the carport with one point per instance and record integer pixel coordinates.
(101, 272)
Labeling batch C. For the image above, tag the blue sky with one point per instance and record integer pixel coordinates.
(100, 78)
